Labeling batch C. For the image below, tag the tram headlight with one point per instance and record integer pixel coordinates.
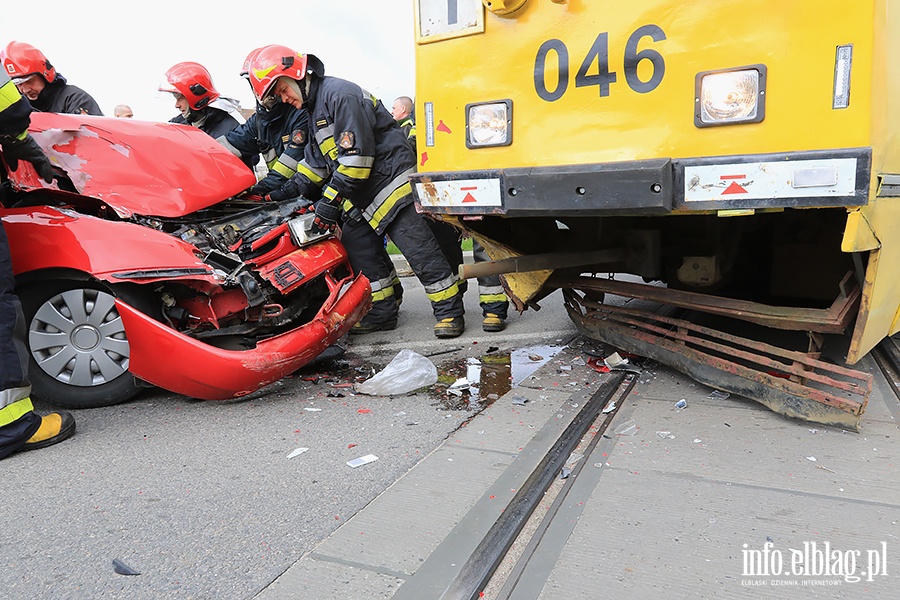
(730, 96)
(489, 124)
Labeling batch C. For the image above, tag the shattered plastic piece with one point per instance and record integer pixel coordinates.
(719, 395)
(626, 428)
(595, 365)
(681, 404)
(362, 460)
(408, 371)
(460, 384)
(535, 357)
(565, 368)
(123, 569)
(573, 459)
(519, 400)
(666, 435)
(614, 360)
(312, 409)
(609, 407)
(698, 441)
(297, 452)
(564, 474)
(811, 458)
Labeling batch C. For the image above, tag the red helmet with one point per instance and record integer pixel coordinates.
(245, 69)
(21, 60)
(192, 81)
(274, 61)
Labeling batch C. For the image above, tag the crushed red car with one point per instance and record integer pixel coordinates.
(139, 265)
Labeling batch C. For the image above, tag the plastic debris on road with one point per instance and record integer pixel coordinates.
(123, 569)
(362, 460)
(408, 371)
(718, 395)
(297, 452)
(626, 428)
(519, 400)
(614, 360)
(681, 404)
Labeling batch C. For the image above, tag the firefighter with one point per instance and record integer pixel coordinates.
(198, 102)
(20, 427)
(402, 112)
(46, 90)
(277, 132)
(360, 165)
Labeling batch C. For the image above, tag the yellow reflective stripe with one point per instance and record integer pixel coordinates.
(355, 172)
(328, 148)
(451, 291)
(283, 169)
(383, 294)
(329, 193)
(485, 298)
(347, 206)
(388, 204)
(310, 174)
(9, 95)
(16, 410)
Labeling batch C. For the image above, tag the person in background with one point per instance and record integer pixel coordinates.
(45, 89)
(491, 296)
(198, 102)
(21, 428)
(359, 166)
(123, 111)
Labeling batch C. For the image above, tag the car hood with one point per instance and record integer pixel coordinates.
(137, 167)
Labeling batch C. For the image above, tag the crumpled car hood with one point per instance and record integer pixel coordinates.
(137, 167)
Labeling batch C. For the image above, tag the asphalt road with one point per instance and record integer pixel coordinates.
(201, 498)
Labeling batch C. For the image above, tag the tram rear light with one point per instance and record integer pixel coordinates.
(489, 124)
(730, 96)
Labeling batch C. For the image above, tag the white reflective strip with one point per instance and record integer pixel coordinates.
(765, 180)
(465, 192)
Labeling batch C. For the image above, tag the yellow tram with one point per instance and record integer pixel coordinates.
(714, 164)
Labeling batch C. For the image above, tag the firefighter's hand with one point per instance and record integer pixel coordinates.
(276, 195)
(27, 149)
(327, 215)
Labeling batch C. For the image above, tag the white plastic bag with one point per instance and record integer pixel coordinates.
(407, 372)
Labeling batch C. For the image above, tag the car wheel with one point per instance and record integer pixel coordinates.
(78, 346)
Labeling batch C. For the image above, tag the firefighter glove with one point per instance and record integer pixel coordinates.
(327, 214)
(27, 149)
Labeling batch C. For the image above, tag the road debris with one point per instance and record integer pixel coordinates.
(362, 460)
(408, 371)
(297, 452)
(123, 569)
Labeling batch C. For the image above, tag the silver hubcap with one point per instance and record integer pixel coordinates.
(77, 337)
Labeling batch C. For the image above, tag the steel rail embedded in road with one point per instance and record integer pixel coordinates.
(484, 560)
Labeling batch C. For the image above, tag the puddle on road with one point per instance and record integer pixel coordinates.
(476, 383)
(463, 384)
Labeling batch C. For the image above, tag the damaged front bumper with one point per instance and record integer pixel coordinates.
(181, 364)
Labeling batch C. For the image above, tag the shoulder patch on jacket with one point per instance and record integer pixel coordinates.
(346, 140)
(298, 137)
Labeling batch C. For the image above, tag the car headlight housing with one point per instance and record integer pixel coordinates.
(489, 124)
(730, 96)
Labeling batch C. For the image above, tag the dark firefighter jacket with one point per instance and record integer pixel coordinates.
(360, 153)
(409, 130)
(214, 121)
(279, 135)
(14, 109)
(60, 97)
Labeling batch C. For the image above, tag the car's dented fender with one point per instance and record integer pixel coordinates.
(181, 364)
(45, 238)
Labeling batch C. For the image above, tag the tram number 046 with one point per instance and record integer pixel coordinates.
(598, 55)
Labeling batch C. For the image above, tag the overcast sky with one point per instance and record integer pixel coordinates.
(119, 51)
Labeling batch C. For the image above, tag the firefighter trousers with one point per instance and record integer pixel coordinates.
(417, 243)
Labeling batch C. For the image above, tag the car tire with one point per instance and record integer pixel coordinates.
(77, 345)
